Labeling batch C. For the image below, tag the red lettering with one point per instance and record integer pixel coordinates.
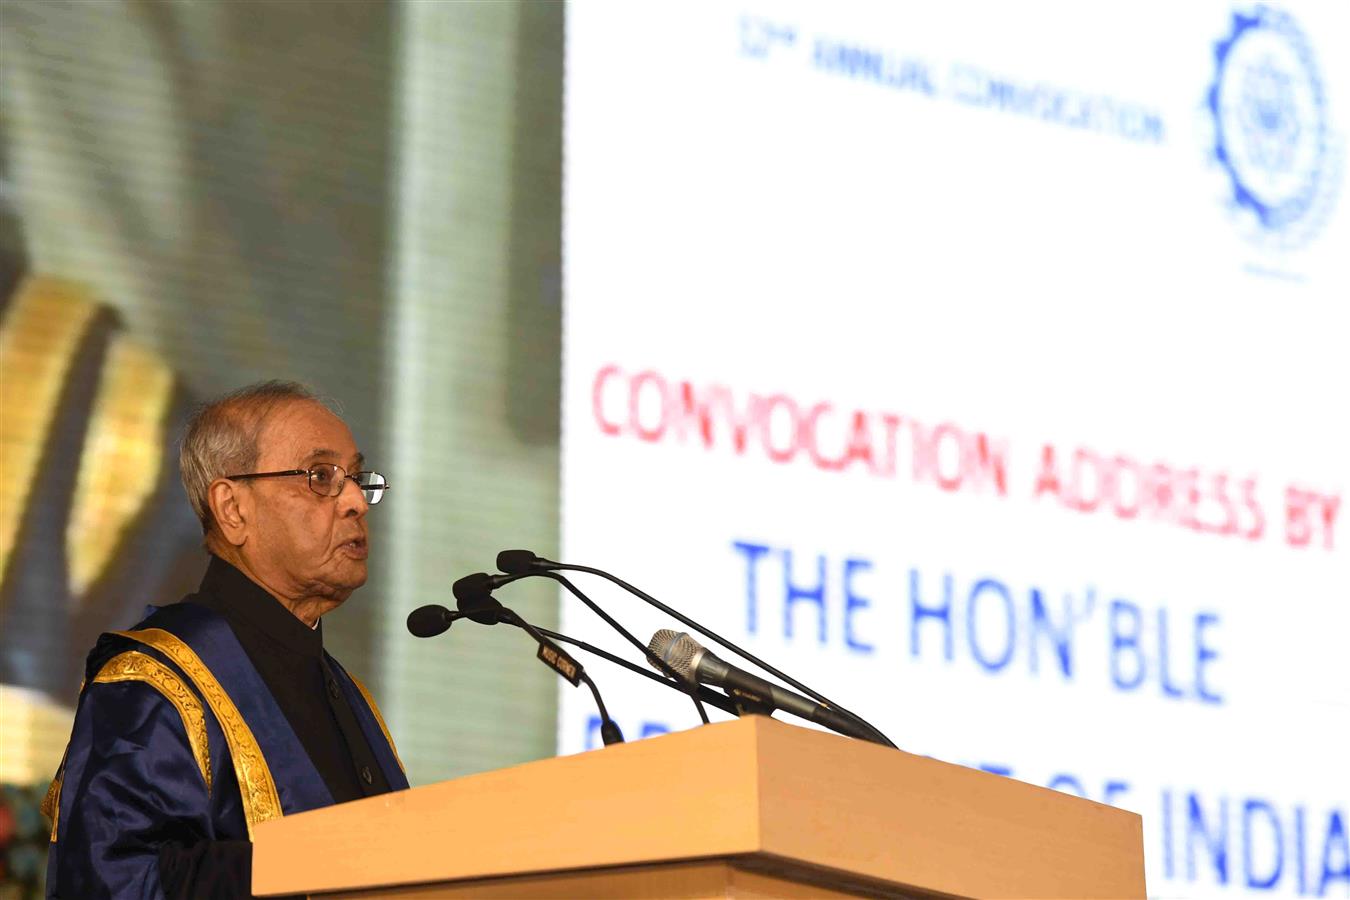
(1085, 462)
(919, 464)
(766, 418)
(1159, 493)
(1188, 495)
(1297, 527)
(598, 400)
(946, 455)
(860, 441)
(1120, 466)
(1331, 505)
(1228, 514)
(1307, 511)
(993, 462)
(892, 423)
(1258, 527)
(956, 440)
(810, 435)
(1048, 479)
(694, 410)
(700, 411)
(739, 421)
(641, 380)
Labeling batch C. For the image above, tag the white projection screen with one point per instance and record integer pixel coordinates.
(984, 366)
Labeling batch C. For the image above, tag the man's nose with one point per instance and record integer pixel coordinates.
(352, 500)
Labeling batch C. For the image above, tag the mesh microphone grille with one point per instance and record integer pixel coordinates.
(677, 649)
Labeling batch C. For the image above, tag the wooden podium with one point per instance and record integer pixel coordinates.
(748, 808)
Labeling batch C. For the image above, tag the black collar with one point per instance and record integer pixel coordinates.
(238, 598)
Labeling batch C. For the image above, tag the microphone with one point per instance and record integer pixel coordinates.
(705, 694)
(519, 562)
(697, 664)
(526, 562)
(522, 563)
(429, 621)
(473, 593)
(675, 680)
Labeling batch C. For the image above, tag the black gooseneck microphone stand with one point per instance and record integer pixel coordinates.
(652, 657)
(479, 605)
(431, 620)
(526, 562)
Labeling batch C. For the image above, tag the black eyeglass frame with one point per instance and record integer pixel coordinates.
(341, 485)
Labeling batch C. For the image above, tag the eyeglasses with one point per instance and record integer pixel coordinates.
(328, 480)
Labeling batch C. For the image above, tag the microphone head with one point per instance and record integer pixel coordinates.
(474, 593)
(677, 649)
(516, 562)
(472, 587)
(429, 621)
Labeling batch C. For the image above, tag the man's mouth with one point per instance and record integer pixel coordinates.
(355, 548)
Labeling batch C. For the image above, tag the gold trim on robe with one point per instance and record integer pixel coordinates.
(256, 786)
(370, 701)
(136, 666)
(51, 804)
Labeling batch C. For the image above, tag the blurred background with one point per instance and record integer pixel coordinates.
(981, 364)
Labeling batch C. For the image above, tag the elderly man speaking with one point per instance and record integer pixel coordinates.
(223, 710)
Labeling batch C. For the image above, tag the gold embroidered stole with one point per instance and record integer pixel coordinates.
(370, 701)
(256, 785)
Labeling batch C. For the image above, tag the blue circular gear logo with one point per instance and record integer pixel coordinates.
(1270, 124)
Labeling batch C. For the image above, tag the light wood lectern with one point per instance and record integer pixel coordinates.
(748, 808)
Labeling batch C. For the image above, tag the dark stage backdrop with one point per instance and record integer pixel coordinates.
(361, 196)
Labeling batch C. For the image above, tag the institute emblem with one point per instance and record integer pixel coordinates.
(1272, 138)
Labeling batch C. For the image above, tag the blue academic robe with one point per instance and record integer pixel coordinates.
(177, 741)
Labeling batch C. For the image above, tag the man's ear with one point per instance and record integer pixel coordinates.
(231, 508)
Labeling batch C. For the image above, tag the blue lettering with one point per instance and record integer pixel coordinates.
(1059, 639)
(1068, 784)
(752, 554)
(852, 61)
(651, 729)
(853, 603)
(873, 65)
(1265, 881)
(1168, 689)
(970, 84)
(1300, 853)
(1113, 790)
(1204, 655)
(994, 768)
(998, 662)
(1336, 841)
(1169, 864)
(1216, 844)
(919, 612)
(1126, 641)
(795, 594)
(1153, 128)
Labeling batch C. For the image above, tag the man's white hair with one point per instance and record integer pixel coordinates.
(222, 437)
